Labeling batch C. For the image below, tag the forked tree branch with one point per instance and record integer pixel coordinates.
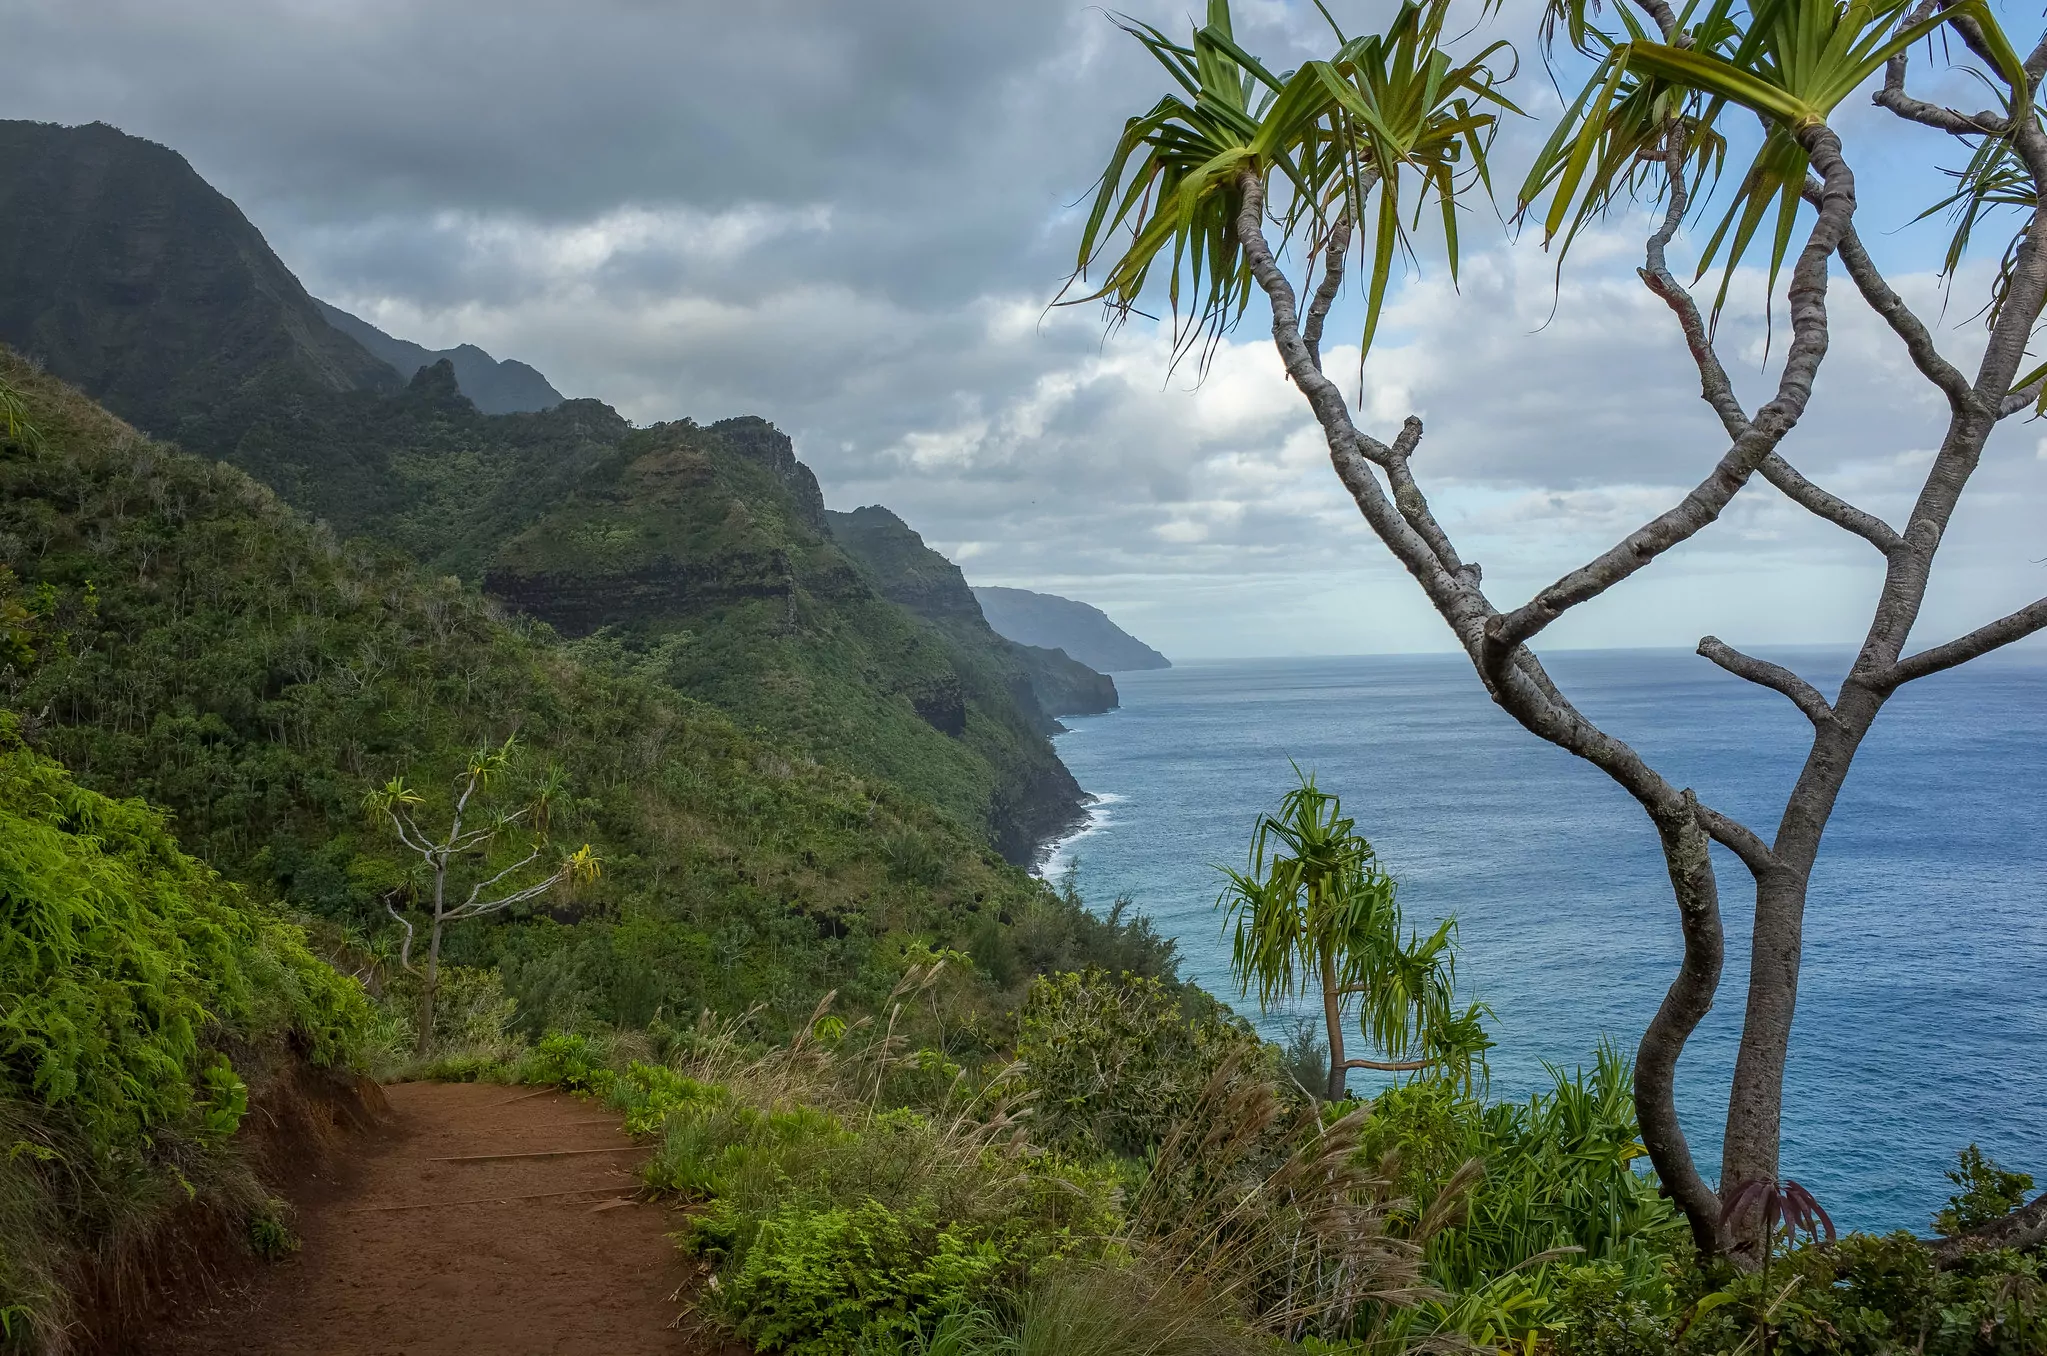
(1776, 677)
(1738, 838)
(2024, 126)
(1950, 120)
(1908, 327)
(1703, 506)
(469, 907)
(1831, 507)
(1893, 97)
(1412, 503)
(1351, 451)
(1981, 641)
(404, 947)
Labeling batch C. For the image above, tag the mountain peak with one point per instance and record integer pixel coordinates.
(495, 387)
(123, 271)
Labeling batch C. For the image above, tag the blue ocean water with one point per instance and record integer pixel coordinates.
(1922, 1019)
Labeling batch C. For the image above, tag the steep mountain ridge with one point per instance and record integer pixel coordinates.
(170, 629)
(125, 272)
(704, 556)
(1082, 631)
(495, 386)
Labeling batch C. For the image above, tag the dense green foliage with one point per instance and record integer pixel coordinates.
(137, 991)
(701, 557)
(846, 1203)
(118, 953)
(1985, 1192)
(1535, 1191)
(1114, 1063)
(199, 644)
(1865, 1296)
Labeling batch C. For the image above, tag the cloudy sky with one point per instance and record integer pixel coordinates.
(849, 218)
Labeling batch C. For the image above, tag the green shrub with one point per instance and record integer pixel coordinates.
(270, 1233)
(819, 1282)
(132, 982)
(1870, 1296)
(124, 965)
(1988, 1193)
(1112, 1062)
(1603, 1309)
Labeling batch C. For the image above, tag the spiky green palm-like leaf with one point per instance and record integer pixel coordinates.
(1788, 62)
(1402, 111)
(1390, 110)
(1995, 178)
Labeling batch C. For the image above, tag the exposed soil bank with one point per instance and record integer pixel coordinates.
(481, 1254)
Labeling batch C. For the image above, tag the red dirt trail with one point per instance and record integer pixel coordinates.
(504, 1255)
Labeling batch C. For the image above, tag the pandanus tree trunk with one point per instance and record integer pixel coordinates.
(1332, 1017)
(1379, 479)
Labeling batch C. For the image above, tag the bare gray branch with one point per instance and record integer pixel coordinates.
(1833, 508)
(1981, 641)
(1776, 677)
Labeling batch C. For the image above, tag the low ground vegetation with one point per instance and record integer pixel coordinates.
(1144, 1178)
(145, 1004)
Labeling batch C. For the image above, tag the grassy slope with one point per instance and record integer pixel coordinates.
(579, 519)
(222, 656)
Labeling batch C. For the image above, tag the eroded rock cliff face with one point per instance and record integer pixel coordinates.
(908, 572)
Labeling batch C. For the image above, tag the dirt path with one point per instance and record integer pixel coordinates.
(510, 1254)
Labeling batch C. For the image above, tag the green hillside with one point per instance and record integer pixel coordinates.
(127, 274)
(702, 557)
(185, 636)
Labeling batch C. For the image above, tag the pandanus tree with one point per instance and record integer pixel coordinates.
(1316, 914)
(1240, 167)
(474, 832)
